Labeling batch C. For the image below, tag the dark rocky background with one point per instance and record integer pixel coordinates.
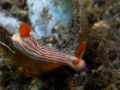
(102, 54)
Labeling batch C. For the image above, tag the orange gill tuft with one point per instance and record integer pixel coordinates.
(24, 29)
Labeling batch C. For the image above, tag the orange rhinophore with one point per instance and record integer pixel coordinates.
(24, 29)
(80, 49)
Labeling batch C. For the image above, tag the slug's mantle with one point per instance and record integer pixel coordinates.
(31, 48)
(33, 59)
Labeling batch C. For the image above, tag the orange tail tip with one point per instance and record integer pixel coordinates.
(80, 49)
(24, 29)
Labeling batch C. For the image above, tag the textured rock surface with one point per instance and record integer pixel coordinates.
(102, 55)
(46, 15)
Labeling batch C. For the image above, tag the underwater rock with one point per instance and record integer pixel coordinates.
(44, 15)
(11, 24)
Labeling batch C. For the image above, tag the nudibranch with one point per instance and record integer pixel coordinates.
(29, 46)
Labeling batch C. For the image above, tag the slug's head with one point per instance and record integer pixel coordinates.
(24, 30)
(78, 64)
